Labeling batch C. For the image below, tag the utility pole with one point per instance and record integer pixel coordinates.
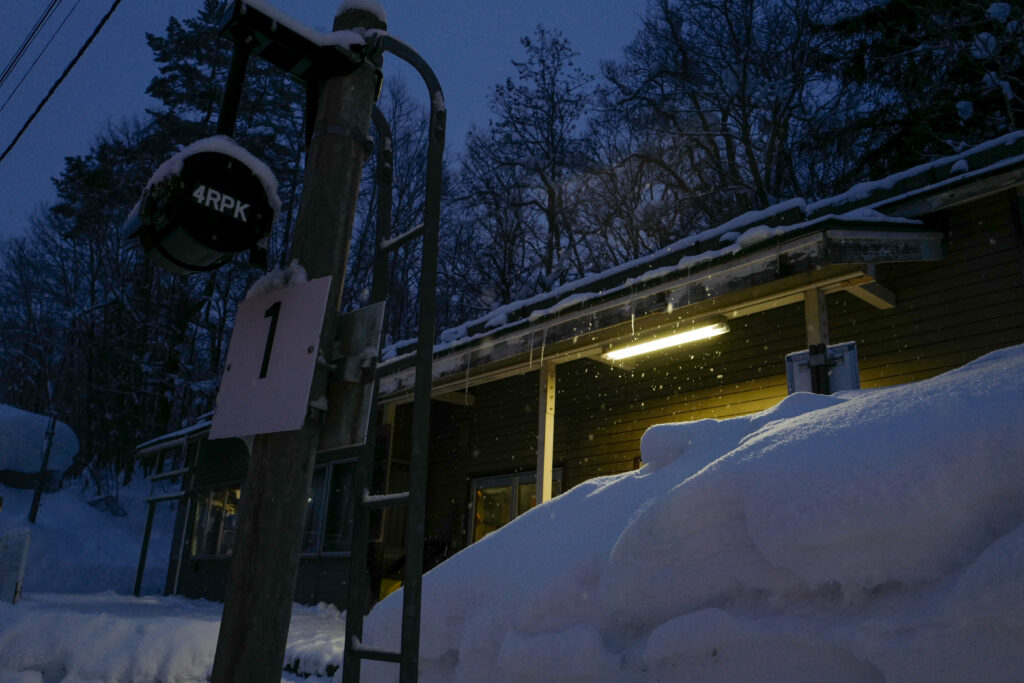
(51, 429)
(261, 585)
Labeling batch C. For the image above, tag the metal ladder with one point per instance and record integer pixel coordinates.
(415, 499)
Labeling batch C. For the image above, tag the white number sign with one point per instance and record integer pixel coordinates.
(271, 359)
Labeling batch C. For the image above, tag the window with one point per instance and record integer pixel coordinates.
(216, 523)
(328, 524)
(496, 501)
(314, 511)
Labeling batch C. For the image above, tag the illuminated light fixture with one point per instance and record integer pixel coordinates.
(692, 335)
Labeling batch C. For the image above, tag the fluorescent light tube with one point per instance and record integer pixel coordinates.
(697, 333)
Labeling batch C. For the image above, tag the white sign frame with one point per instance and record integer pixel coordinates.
(270, 363)
(843, 369)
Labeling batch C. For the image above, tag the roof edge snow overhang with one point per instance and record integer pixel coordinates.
(675, 286)
(831, 255)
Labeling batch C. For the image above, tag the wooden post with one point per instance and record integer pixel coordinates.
(816, 317)
(545, 431)
(816, 321)
(137, 591)
(51, 429)
(261, 585)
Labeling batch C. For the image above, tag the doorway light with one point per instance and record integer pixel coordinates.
(695, 334)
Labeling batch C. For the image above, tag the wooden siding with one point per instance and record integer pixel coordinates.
(221, 461)
(947, 313)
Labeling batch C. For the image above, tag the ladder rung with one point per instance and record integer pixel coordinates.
(167, 496)
(168, 475)
(397, 241)
(385, 501)
(364, 652)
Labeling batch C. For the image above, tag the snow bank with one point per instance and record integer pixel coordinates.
(22, 435)
(875, 535)
(77, 548)
(110, 638)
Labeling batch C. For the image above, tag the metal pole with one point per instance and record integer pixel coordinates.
(261, 585)
(412, 590)
(233, 90)
(358, 597)
(51, 429)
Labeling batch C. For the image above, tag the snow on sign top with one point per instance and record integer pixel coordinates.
(279, 278)
(371, 6)
(221, 144)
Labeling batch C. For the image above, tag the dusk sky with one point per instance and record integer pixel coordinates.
(469, 44)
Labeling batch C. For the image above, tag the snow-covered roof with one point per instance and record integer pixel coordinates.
(201, 424)
(22, 435)
(888, 205)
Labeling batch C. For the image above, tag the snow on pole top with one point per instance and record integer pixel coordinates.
(279, 278)
(370, 6)
(224, 145)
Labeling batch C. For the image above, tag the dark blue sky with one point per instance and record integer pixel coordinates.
(469, 44)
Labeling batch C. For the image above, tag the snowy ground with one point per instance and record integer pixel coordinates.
(877, 535)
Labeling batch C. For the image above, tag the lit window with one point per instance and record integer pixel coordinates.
(216, 524)
(496, 501)
(338, 525)
(327, 527)
(314, 521)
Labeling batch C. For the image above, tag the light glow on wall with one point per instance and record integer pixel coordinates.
(695, 334)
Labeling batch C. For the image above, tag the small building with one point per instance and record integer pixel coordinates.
(922, 271)
(23, 438)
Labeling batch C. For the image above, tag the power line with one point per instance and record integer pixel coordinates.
(41, 53)
(28, 41)
(60, 80)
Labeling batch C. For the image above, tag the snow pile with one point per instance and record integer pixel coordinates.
(107, 637)
(22, 435)
(369, 6)
(279, 278)
(868, 536)
(874, 535)
(75, 547)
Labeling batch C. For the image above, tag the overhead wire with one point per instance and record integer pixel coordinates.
(60, 79)
(36, 60)
(28, 41)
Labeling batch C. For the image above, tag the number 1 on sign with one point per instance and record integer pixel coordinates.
(271, 313)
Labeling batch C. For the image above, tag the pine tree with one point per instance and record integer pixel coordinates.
(932, 76)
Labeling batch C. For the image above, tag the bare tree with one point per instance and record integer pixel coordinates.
(528, 159)
(729, 100)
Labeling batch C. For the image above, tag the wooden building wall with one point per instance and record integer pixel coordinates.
(947, 313)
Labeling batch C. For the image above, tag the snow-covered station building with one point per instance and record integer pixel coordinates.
(901, 278)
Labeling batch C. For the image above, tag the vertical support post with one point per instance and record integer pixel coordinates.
(233, 90)
(816, 317)
(358, 595)
(816, 322)
(545, 431)
(51, 429)
(261, 585)
(145, 549)
(188, 500)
